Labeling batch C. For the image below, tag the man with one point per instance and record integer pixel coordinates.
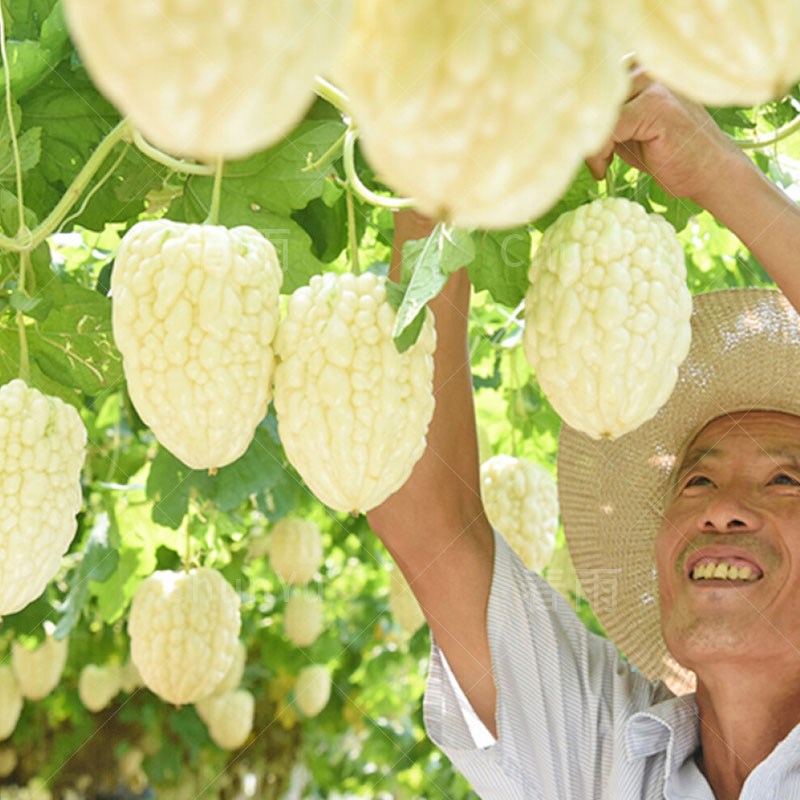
(549, 710)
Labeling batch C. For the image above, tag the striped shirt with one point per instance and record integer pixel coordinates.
(574, 720)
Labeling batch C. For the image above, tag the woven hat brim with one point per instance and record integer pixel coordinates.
(745, 355)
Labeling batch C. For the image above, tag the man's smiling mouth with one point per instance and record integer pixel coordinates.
(709, 569)
(731, 566)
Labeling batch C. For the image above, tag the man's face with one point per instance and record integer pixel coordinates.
(736, 502)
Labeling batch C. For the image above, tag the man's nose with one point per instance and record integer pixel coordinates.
(729, 511)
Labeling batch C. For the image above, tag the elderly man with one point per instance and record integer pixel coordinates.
(523, 700)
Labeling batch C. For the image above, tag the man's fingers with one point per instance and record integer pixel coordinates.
(639, 81)
(628, 125)
(631, 153)
(598, 163)
(635, 123)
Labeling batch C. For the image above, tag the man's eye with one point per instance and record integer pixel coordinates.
(785, 479)
(697, 480)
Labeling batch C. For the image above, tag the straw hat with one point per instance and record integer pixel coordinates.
(745, 355)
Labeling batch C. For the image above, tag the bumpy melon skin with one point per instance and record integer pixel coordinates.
(42, 450)
(607, 315)
(98, 685)
(352, 411)
(11, 702)
(718, 52)
(481, 112)
(295, 549)
(233, 676)
(208, 79)
(38, 671)
(228, 717)
(521, 501)
(195, 310)
(184, 630)
(312, 689)
(8, 761)
(303, 619)
(129, 678)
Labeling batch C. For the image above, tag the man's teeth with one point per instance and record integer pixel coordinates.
(720, 570)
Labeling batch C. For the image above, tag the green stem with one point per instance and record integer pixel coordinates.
(611, 180)
(760, 142)
(367, 195)
(512, 354)
(160, 157)
(216, 194)
(31, 240)
(352, 235)
(336, 97)
(11, 127)
(326, 156)
(24, 360)
(116, 445)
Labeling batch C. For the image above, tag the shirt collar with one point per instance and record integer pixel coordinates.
(672, 725)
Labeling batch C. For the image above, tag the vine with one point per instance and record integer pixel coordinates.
(772, 138)
(353, 179)
(216, 194)
(30, 240)
(22, 230)
(160, 157)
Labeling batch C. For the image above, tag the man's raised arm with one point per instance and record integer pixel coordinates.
(435, 526)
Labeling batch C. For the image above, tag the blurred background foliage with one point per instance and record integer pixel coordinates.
(141, 503)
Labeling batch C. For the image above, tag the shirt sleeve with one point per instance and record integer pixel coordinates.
(563, 696)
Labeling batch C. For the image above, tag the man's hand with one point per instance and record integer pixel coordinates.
(681, 146)
(674, 140)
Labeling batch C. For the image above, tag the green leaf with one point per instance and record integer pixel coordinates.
(137, 539)
(501, 264)
(9, 224)
(326, 224)
(113, 597)
(262, 466)
(394, 294)
(74, 344)
(54, 35)
(429, 262)
(9, 356)
(732, 119)
(29, 146)
(24, 303)
(73, 117)
(23, 18)
(170, 483)
(275, 179)
(444, 251)
(191, 730)
(29, 620)
(98, 564)
(123, 196)
(676, 210)
(30, 151)
(28, 64)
